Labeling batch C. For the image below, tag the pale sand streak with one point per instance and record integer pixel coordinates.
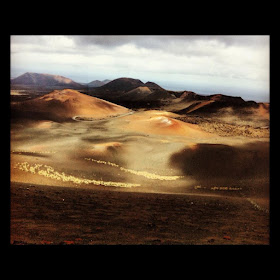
(48, 171)
(140, 173)
(33, 152)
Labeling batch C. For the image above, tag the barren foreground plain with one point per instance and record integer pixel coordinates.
(87, 171)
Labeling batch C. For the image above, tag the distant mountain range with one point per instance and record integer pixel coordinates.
(44, 80)
(133, 93)
(120, 85)
(51, 81)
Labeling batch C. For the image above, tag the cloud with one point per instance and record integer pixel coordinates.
(169, 59)
(158, 41)
(223, 49)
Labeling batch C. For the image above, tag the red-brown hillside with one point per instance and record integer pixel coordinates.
(67, 103)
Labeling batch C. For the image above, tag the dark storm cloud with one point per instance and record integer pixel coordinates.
(194, 45)
(160, 41)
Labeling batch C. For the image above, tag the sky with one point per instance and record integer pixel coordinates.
(231, 65)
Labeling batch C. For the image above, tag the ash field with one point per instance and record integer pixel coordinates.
(134, 164)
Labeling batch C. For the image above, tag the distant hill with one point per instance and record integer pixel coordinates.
(62, 105)
(95, 83)
(215, 103)
(133, 93)
(44, 80)
(226, 98)
(121, 85)
(98, 83)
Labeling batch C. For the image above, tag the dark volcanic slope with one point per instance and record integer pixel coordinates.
(153, 86)
(190, 95)
(121, 85)
(114, 217)
(136, 94)
(132, 93)
(44, 80)
(214, 103)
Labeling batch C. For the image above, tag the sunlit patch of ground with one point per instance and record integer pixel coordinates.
(49, 172)
(136, 172)
(44, 124)
(103, 147)
(219, 188)
(17, 92)
(161, 123)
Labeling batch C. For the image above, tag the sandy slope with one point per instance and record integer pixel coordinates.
(64, 104)
(139, 90)
(162, 123)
